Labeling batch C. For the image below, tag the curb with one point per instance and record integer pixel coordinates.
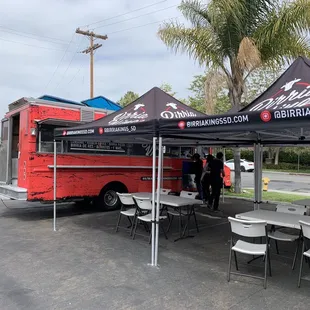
(283, 192)
(302, 174)
(286, 173)
(251, 199)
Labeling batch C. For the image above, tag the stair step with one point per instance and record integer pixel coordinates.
(13, 192)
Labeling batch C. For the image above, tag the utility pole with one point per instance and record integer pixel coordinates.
(90, 50)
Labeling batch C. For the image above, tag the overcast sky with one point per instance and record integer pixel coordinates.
(131, 59)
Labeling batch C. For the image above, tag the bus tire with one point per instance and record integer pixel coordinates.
(108, 200)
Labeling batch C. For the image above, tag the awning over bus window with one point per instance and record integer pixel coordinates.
(59, 122)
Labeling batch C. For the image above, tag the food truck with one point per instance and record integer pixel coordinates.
(85, 170)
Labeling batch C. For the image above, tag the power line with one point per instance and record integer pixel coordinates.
(75, 75)
(122, 30)
(125, 20)
(136, 10)
(69, 64)
(27, 36)
(34, 34)
(63, 56)
(37, 46)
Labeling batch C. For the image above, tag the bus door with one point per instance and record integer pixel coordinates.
(4, 150)
(15, 148)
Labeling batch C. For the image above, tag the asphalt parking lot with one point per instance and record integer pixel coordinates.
(86, 265)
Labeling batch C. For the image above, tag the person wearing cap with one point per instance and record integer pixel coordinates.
(198, 167)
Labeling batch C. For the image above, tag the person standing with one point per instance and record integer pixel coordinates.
(198, 167)
(206, 180)
(217, 174)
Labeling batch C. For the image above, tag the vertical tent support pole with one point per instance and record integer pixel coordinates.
(55, 183)
(160, 154)
(162, 166)
(153, 198)
(260, 175)
(224, 159)
(255, 176)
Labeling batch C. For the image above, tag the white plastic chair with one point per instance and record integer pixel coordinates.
(278, 235)
(250, 229)
(186, 194)
(143, 214)
(128, 209)
(172, 212)
(165, 191)
(305, 252)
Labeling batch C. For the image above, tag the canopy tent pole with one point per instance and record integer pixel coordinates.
(55, 193)
(153, 198)
(160, 154)
(224, 159)
(255, 176)
(260, 175)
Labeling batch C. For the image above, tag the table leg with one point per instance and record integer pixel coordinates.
(182, 236)
(180, 225)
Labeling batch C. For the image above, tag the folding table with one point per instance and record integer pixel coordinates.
(275, 218)
(176, 202)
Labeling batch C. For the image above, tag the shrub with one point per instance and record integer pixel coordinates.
(285, 166)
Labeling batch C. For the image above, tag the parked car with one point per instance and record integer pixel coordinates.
(245, 165)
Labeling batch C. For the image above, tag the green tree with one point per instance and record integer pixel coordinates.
(235, 37)
(259, 81)
(168, 89)
(129, 97)
(208, 99)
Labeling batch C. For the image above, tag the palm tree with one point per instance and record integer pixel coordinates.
(235, 37)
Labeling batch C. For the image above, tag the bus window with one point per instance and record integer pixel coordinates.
(45, 141)
(4, 130)
(186, 152)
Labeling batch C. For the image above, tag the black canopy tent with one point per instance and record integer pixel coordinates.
(280, 116)
(136, 123)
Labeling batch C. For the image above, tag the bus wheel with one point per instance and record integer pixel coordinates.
(108, 199)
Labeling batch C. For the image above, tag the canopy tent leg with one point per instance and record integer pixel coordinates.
(256, 168)
(153, 198)
(160, 154)
(55, 184)
(260, 175)
(224, 159)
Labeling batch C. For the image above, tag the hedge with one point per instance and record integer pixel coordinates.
(285, 157)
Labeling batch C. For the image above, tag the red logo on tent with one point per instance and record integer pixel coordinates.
(265, 116)
(101, 130)
(64, 133)
(181, 125)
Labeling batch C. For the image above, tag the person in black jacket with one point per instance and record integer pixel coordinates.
(206, 180)
(198, 167)
(216, 174)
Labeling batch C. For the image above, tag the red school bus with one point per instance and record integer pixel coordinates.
(84, 170)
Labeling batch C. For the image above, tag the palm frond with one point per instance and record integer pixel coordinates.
(293, 17)
(195, 12)
(199, 43)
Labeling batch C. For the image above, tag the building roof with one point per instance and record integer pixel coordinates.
(58, 99)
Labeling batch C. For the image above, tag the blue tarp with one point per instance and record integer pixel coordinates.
(102, 103)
